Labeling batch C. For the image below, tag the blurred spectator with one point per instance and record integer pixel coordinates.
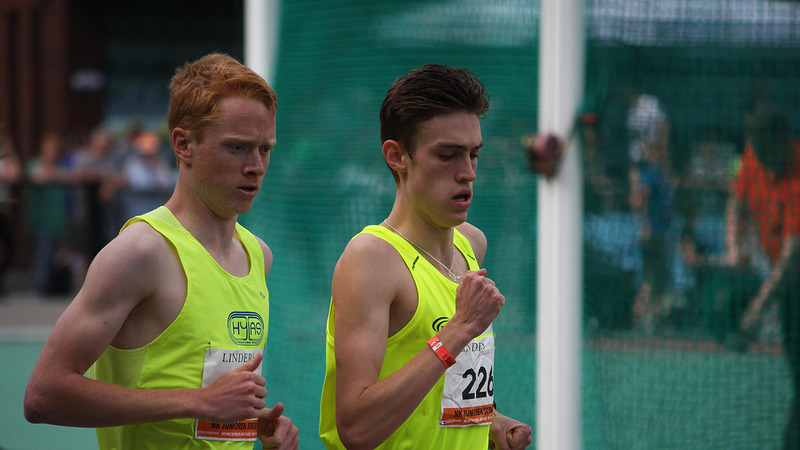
(767, 193)
(723, 288)
(10, 175)
(147, 176)
(605, 139)
(718, 290)
(93, 170)
(652, 185)
(47, 217)
(616, 135)
(601, 189)
(708, 176)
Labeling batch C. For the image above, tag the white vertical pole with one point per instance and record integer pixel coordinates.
(560, 237)
(261, 34)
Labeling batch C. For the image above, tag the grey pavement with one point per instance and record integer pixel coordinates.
(26, 315)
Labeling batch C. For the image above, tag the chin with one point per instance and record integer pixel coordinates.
(240, 211)
(241, 208)
(456, 221)
(232, 212)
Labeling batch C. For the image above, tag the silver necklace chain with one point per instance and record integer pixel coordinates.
(449, 270)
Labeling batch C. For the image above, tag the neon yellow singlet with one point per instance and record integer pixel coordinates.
(223, 322)
(436, 305)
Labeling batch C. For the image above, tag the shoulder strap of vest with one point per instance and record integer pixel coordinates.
(403, 247)
(252, 246)
(465, 247)
(161, 214)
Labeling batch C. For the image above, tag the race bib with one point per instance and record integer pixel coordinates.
(217, 362)
(468, 397)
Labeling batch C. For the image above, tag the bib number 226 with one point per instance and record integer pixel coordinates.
(485, 386)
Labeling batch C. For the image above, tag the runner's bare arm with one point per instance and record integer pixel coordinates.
(124, 274)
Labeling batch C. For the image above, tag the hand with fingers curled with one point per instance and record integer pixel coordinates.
(276, 430)
(509, 434)
(236, 395)
(478, 301)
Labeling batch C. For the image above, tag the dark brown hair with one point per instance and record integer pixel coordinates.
(426, 92)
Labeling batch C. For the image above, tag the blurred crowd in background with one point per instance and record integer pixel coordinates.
(62, 205)
(660, 217)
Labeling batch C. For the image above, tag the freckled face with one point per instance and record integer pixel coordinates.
(229, 164)
(443, 167)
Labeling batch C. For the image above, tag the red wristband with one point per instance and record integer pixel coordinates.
(438, 348)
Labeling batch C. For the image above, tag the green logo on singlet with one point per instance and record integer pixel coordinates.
(246, 328)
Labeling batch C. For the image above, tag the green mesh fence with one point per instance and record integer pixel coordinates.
(673, 86)
(664, 365)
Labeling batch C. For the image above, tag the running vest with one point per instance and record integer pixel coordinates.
(431, 425)
(222, 325)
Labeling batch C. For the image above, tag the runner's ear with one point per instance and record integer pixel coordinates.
(181, 140)
(394, 154)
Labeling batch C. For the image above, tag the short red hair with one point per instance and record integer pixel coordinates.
(198, 87)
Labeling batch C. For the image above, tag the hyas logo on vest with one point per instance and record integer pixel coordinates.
(245, 327)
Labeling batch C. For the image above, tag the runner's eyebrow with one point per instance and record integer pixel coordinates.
(457, 146)
(245, 140)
